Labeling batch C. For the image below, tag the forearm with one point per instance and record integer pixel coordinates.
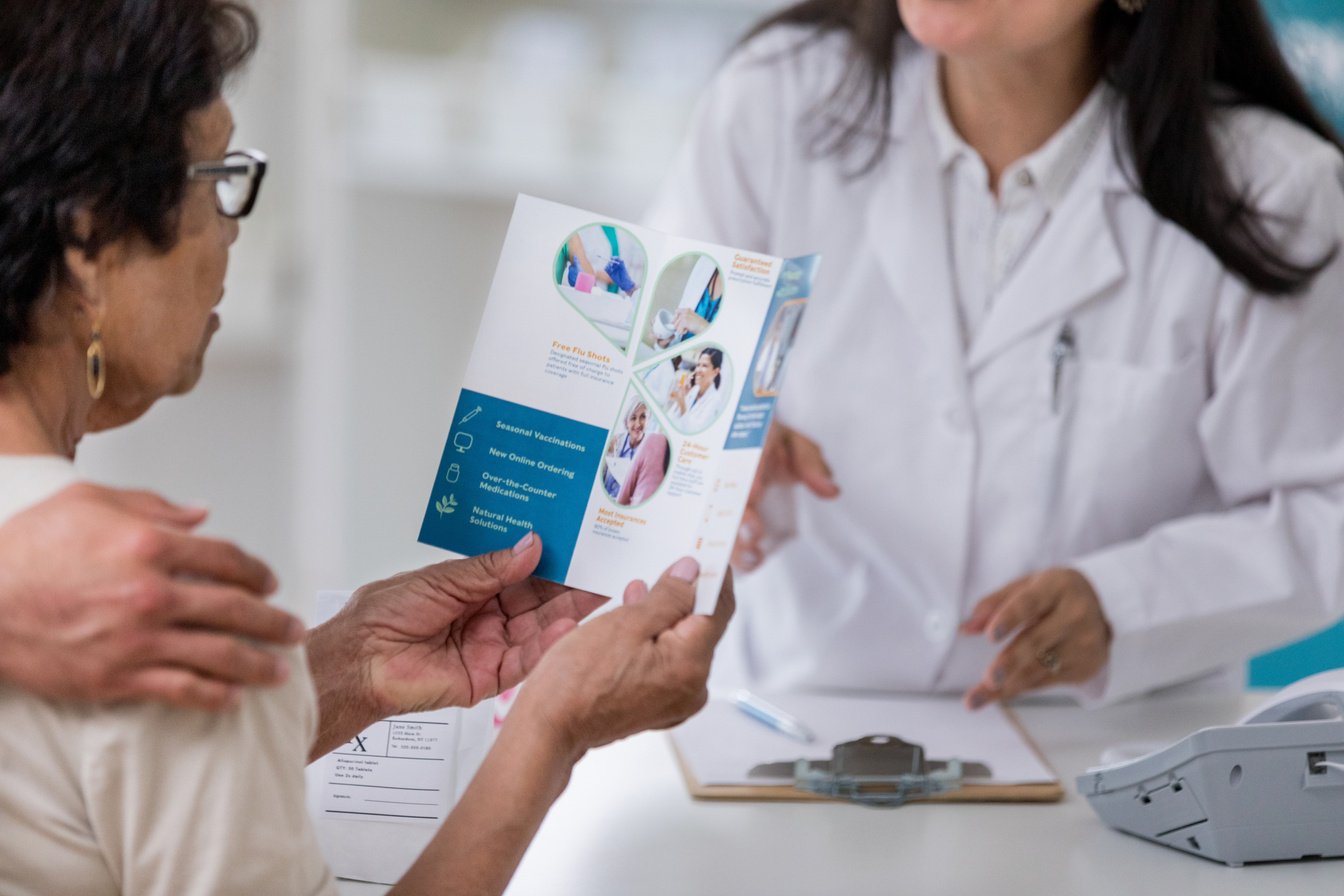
(481, 843)
(1198, 593)
(339, 678)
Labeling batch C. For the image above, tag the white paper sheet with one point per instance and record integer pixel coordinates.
(378, 799)
(721, 744)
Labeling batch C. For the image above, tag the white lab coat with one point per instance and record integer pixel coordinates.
(1193, 469)
(701, 410)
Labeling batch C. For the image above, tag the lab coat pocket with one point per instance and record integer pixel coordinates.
(1127, 448)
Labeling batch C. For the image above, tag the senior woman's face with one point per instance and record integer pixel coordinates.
(158, 308)
(635, 423)
(994, 27)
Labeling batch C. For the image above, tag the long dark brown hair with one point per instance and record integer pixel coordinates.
(1164, 62)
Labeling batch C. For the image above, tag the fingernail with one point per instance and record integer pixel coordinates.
(686, 569)
(999, 677)
(1000, 632)
(234, 698)
(523, 544)
(272, 583)
(977, 701)
(281, 671)
(297, 631)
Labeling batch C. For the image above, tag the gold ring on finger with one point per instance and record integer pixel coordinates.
(1050, 660)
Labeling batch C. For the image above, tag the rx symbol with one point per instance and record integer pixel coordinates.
(359, 745)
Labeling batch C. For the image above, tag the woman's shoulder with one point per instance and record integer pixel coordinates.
(1268, 155)
(26, 480)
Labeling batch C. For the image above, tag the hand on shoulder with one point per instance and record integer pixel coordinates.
(106, 595)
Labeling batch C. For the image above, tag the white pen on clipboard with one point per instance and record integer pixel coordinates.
(772, 716)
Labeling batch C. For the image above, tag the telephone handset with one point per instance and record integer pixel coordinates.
(1317, 698)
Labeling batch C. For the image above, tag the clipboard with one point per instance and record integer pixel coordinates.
(1013, 746)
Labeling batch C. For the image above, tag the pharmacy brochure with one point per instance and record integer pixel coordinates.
(616, 400)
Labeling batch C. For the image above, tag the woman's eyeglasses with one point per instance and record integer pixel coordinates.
(237, 180)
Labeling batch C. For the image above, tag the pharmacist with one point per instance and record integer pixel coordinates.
(1075, 358)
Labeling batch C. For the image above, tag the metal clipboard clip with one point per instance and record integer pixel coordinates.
(880, 770)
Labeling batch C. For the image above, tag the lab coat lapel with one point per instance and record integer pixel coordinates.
(907, 226)
(1075, 259)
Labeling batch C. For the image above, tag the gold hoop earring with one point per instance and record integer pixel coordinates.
(95, 364)
(1133, 7)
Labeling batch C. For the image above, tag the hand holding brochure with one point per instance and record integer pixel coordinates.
(616, 400)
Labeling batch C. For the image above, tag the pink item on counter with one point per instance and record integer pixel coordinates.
(584, 282)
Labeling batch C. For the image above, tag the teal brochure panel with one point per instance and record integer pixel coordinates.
(506, 470)
(760, 387)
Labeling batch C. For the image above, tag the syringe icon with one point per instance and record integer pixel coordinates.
(469, 415)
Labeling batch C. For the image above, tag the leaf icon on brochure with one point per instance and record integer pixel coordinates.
(447, 504)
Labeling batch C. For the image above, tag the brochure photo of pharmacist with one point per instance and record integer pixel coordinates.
(600, 271)
(637, 455)
(699, 390)
(685, 303)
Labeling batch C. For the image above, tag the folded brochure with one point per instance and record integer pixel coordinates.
(616, 400)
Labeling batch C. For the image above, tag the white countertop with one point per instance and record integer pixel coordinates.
(627, 826)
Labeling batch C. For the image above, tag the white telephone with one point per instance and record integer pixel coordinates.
(1269, 788)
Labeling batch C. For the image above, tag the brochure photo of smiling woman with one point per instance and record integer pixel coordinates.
(699, 390)
(638, 455)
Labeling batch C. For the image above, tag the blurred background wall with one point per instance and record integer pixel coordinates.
(400, 132)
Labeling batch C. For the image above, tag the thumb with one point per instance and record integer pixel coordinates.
(481, 577)
(671, 599)
(810, 467)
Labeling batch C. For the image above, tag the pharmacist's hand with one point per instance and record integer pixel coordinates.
(620, 275)
(678, 393)
(1059, 634)
(687, 321)
(450, 634)
(787, 459)
(643, 665)
(107, 596)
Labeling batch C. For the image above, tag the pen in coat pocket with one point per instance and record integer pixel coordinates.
(772, 716)
(1064, 348)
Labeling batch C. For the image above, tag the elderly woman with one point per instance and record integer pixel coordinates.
(647, 471)
(119, 200)
(621, 453)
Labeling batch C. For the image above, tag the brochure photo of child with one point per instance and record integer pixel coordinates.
(637, 455)
(685, 303)
(600, 270)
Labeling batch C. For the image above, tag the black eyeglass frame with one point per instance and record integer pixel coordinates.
(250, 163)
